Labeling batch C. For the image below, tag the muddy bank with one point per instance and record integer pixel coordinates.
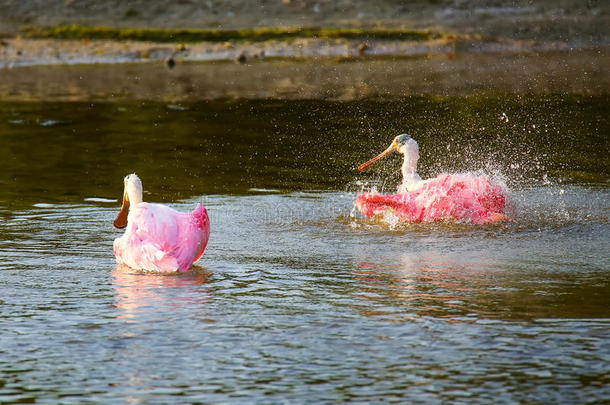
(579, 72)
(574, 22)
(459, 25)
(28, 52)
(542, 46)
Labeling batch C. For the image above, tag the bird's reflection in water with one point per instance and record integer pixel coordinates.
(140, 292)
(456, 287)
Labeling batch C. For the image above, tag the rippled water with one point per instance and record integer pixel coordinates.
(297, 299)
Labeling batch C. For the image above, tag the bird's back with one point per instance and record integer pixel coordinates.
(160, 238)
(448, 196)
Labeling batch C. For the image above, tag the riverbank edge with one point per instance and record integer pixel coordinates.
(441, 74)
(290, 44)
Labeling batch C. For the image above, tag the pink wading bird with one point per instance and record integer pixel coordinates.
(157, 237)
(453, 197)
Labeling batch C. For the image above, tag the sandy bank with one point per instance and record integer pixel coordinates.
(574, 22)
(28, 52)
(577, 72)
(463, 25)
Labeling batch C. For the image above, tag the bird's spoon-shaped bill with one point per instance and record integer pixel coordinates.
(121, 219)
(390, 149)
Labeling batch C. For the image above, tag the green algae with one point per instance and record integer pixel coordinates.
(76, 32)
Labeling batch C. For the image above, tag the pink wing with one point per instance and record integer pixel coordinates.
(160, 238)
(446, 197)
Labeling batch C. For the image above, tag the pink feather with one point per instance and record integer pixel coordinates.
(162, 239)
(454, 197)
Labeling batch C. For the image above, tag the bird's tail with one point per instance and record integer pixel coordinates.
(200, 214)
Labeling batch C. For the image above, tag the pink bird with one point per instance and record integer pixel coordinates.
(157, 237)
(452, 197)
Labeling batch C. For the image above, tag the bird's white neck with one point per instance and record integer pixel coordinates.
(410, 179)
(134, 191)
(135, 199)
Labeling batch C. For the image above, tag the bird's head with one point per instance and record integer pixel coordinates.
(402, 143)
(132, 194)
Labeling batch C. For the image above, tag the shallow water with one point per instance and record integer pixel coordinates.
(454, 73)
(297, 297)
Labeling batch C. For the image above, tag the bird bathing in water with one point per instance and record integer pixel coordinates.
(447, 197)
(158, 238)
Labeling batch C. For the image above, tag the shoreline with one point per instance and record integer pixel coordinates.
(575, 22)
(19, 52)
(33, 52)
(299, 49)
(439, 74)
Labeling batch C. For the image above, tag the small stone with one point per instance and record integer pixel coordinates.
(242, 58)
(170, 62)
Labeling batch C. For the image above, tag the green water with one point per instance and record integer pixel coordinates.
(298, 298)
(61, 152)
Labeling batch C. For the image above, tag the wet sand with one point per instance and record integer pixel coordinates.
(27, 52)
(579, 72)
(543, 48)
(574, 22)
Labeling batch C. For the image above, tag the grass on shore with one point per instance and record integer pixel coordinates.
(217, 35)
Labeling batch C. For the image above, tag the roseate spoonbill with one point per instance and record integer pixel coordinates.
(454, 197)
(157, 237)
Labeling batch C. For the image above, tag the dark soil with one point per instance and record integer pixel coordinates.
(577, 22)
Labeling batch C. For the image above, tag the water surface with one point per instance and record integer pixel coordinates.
(298, 298)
